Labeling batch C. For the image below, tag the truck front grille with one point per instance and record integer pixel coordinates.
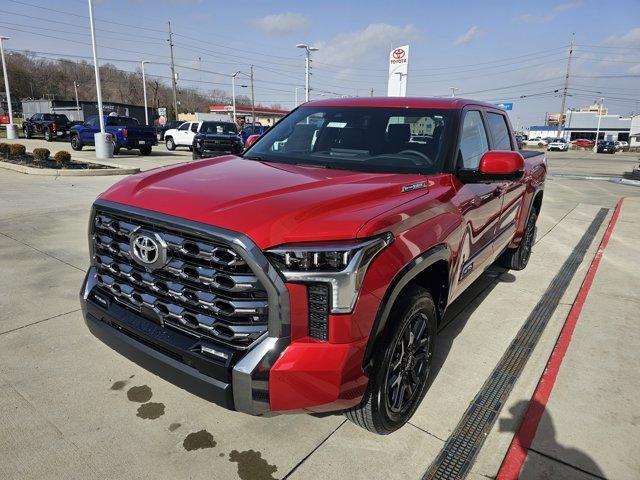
(205, 289)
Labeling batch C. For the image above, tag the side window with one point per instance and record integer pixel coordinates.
(473, 141)
(93, 122)
(184, 126)
(194, 127)
(499, 131)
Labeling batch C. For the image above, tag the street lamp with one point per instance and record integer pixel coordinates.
(595, 147)
(12, 130)
(296, 97)
(233, 93)
(307, 65)
(75, 88)
(144, 91)
(104, 146)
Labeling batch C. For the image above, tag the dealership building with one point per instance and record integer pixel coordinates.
(584, 124)
(86, 110)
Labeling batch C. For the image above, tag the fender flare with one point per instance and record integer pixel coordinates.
(402, 278)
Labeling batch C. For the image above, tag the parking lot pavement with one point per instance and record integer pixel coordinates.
(72, 408)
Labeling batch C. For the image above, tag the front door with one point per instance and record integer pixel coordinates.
(479, 204)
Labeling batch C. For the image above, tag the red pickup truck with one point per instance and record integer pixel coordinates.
(312, 273)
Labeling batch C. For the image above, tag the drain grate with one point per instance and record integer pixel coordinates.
(460, 450)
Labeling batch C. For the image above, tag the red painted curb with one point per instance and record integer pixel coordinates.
(517, 452)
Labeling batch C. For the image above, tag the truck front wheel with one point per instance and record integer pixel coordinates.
(398, 380)
(75, 143)
(146, 150)
(47, 135)
(170, 144)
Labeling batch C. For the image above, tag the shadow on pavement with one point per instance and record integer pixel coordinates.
(563, 461)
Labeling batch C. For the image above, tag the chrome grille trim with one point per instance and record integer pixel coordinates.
(251, 374)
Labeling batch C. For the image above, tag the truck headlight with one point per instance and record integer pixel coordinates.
(342, 265)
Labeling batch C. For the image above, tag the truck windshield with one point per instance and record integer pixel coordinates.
(397, 140)
(226, 128)
(122, 122)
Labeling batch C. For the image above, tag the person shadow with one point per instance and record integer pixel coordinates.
(548, 459)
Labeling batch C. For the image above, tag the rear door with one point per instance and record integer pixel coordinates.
(512, 192)
(479, 203)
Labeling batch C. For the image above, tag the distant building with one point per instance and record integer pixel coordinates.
(87, 109)
(584, 124)
(264, 116)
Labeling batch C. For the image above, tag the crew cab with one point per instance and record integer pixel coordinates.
(312, 273)
(216, 137)
(50, 125)
(126, 132)
(182, 136)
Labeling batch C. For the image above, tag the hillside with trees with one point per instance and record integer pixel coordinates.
(33, 77)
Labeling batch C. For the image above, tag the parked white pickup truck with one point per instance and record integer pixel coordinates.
(181, 136)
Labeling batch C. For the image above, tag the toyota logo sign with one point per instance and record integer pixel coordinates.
(148, 249)
(398, 53)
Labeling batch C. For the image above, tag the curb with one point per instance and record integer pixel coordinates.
(89, 172)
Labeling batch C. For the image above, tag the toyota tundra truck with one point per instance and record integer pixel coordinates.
(312, 273)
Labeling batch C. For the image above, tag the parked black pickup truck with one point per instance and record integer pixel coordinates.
(49, 125)
(215, 138)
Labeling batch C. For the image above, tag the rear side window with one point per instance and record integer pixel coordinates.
(499, 131)
(184, 126)
(473, 141)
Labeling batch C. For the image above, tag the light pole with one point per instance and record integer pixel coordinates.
(233, 93)
(75, 89)
(307, 65)
(595, 147)
(104, 146)
(453, 91)
(144, 91)
(12, 130)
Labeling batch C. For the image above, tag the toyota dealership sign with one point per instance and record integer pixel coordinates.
(398, 68)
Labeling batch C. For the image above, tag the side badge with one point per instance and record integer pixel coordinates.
(413, 186)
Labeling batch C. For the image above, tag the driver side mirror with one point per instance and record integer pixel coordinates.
(496, 165)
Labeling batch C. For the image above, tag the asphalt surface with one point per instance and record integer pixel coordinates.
(72, 408)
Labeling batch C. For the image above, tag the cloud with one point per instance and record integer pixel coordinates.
(468, 36)
(283, 23)
(358, 47)
(629, 39)
(547, 17)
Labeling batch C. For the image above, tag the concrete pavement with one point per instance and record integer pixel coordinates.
(72, 408)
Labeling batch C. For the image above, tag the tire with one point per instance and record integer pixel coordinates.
(76, 144)
(517, 258)
(190, 148)
(146, 150)
(116, 150)
(195, 155)
(47, 136)
(170, 144)
(27, 133)
(380, 411)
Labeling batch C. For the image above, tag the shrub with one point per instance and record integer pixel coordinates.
(41, 154)
(4, 148)
(62, 157)
(17, 149)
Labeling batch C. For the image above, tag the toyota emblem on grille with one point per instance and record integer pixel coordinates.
(148, 249)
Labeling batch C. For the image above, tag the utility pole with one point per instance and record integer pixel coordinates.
(253, 102)
(12, 130)
(173, 74)
(372, 92)
(566, 86)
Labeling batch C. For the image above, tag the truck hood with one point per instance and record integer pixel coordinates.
(271, 203)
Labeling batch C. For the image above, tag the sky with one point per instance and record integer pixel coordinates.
(495, 51)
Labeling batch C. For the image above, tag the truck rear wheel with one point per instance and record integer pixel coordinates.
(398, 380)
(76, 144)
(517, 258)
